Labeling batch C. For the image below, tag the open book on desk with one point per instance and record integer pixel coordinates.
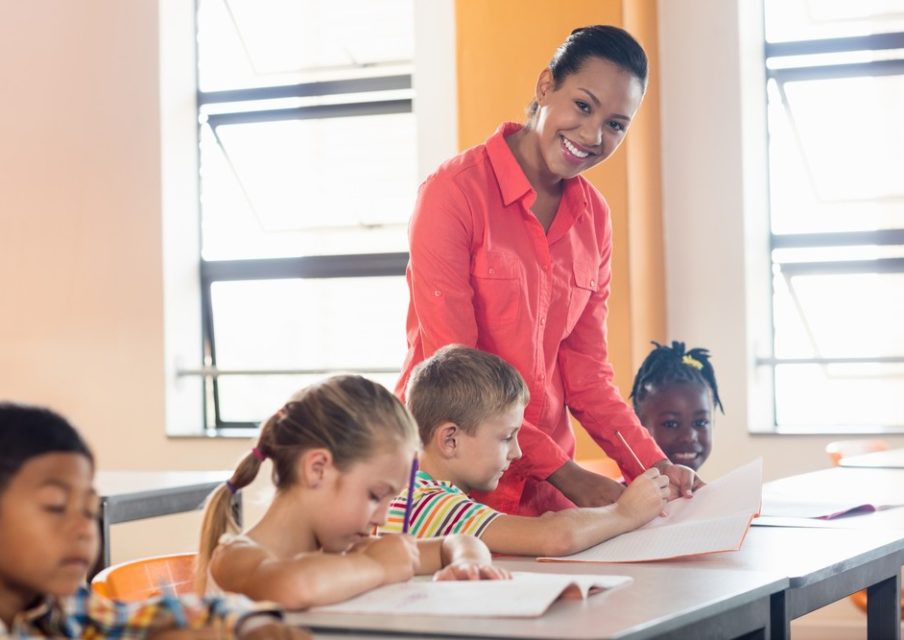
(715, 519)
(526, 595)
(783, 506)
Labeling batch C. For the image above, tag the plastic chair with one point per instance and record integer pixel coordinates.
(145, 578)
(846, 448)
(842, 449)
(603, 466)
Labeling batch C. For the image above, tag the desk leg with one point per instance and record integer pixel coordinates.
(883, 609)
(103, 525)
(781, 623)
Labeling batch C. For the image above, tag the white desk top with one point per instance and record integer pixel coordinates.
(842, 484)
(802, 554)
(892, 459)
(661, 599)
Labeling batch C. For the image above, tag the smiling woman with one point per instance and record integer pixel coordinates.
(510, 252)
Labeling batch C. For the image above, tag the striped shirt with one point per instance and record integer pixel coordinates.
(438, 509)
(89, 615)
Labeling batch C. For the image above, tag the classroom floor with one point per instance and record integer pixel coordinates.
(838, 621)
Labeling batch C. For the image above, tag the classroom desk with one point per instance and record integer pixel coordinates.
(823, 565)
(841, 484)
(135, 495)
(680, 603)
(892, 459)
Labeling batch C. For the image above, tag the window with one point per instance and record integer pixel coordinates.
(835, 89)
(307, 180)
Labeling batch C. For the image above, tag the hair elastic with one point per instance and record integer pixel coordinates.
(692, 362)
(260, 455)
(232, 488)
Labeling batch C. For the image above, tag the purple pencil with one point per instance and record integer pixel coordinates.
(409, 499)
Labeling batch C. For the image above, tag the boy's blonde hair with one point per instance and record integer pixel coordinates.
(351, 416)
(462, 385)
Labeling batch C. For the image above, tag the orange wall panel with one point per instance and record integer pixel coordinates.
(501, 48)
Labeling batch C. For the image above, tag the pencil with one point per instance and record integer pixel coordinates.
(631, 451)
(409, 500)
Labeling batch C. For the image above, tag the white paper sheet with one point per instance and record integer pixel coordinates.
(527, 595)
(715, 519)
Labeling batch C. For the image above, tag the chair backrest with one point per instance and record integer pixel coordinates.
(844, 448)
(603, 466)
(147, 577)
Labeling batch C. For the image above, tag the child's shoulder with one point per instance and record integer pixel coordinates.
(237, 548)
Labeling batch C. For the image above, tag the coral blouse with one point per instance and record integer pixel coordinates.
(484, 273)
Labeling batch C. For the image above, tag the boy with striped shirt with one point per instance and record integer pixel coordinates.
(469, 406)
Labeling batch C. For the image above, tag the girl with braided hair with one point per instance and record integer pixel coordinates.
(675, 395)
(340, 452)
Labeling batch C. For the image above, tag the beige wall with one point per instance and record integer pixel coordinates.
(81, 327)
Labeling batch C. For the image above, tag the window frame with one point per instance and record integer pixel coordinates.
(883, 237)
(354, 265)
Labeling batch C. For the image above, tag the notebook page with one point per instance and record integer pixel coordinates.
(715, 519)
(527, 595)
(738, 491)
(660, 543)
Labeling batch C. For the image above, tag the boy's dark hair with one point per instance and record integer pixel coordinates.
(27, 432)
(462, 385)
(666, 365)
(597, 41)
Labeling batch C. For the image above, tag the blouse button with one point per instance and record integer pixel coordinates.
(593, 283)
(492, 271)
(437, 293)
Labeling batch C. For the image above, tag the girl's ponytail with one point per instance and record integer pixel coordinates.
(349, 415)
(219, 516)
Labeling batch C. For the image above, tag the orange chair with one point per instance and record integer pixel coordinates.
(145, 578)
(603, 466)
(842, 449)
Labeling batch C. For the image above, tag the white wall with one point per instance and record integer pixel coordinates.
(714, 200)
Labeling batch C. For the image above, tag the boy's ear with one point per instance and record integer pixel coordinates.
(545, 85)
(445, 438)
(313, 465)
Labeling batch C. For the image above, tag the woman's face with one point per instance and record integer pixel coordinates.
(582, 122)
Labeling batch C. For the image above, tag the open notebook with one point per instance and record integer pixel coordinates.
(715, 519)
(526, 595)
(790, 507)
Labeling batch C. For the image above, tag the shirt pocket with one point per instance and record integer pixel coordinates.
(495, 278)
(584, 283)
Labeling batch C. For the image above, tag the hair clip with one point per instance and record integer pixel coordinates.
(260, 455)
(692, 362)
(232, 488)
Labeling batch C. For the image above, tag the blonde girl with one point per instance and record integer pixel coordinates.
(341, 451)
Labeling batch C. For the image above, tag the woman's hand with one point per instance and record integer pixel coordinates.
(683, 481)
(585, 488)
(471, 571)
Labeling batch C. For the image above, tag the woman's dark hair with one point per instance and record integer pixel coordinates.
(27, 432)
(597, 41)
(667, 365)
